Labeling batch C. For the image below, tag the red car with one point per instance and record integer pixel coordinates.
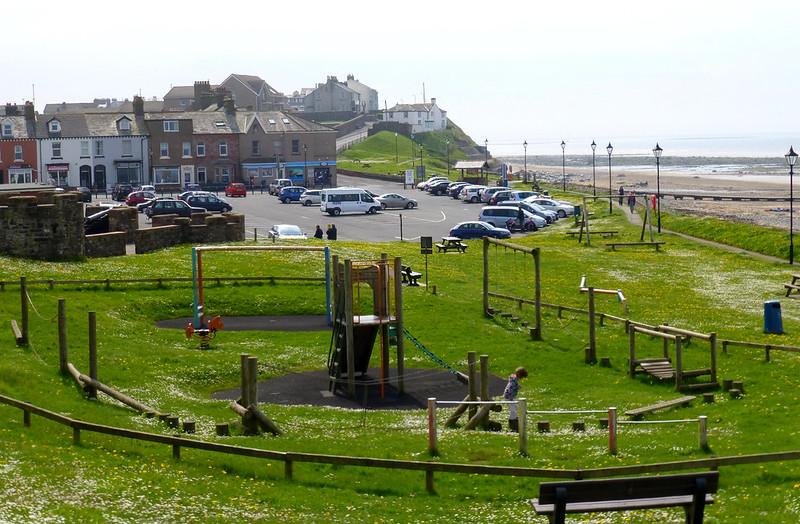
(236, 189)
(137, 197)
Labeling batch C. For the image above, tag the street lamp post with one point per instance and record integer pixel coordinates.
(486, 160)
(396, 155)
(413, 157)
(563, 167)
(447, 145)
(594, 176)
(791, 158)
(305, 163)
(421, 149)
(525, 161)
(610, 149)
(657, 152)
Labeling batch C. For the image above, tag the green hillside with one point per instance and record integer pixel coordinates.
(386, 154)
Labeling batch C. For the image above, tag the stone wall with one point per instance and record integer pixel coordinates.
(124, 219)
(155, 238)
(172, 230)
(44, 225)
(106, 244)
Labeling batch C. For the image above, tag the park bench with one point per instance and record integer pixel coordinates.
(605, 234)
(638, 412)
(793, 289)
(614, 245)
(410, 276)
(451, 243)
(692, 491)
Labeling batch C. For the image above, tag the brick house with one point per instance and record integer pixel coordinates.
(18, 159)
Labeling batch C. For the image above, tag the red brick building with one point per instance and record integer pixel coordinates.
(18, 159)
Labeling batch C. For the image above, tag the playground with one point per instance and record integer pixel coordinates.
(579, 347)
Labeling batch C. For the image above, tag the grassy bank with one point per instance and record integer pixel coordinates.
(46, 478)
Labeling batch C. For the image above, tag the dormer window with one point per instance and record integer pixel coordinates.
(123, 124)
(170, 126)
(7, 129)
(54, 126)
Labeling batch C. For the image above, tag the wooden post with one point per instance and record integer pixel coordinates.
(665, 347)
(484, 362)
(222, 429)
(288, 472)
(591, 353)
(712, 340)
(26, 418)
(536, 333)
(23, 296)
(586, 221)
(398, 300)
(348, 315)
(486, 276)
(176, 452)
(612, 431)
(429, 482)
(473, 383)
(383, 311)
(252, 377)
(631, 350)
(433, 447)
(189, 426)
(91, 391)
(244, 387)
(678, 362)
(702, 423)
(522, 414)
(62, 336)
(76, 436)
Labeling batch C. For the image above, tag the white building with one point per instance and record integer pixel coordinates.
(421, 117)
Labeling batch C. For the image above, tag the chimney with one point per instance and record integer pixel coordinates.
(433, 101)
(11, 109)
(351, 77)
(30, 113)
(138, 106)
(219, 96)
(230, 107)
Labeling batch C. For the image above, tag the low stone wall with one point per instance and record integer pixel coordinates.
(172, 230)
(124, 219)
(43, 226)
(155, 238)
(106, 244)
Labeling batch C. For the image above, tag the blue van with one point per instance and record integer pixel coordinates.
(291, 194)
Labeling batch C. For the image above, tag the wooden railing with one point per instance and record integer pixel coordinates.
(108, 281)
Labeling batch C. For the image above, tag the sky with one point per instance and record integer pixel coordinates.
(506, 71)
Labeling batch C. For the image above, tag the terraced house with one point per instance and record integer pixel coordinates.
(18, 159)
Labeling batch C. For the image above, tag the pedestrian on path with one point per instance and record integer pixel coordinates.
(318, 232)
(331, 232)
(631, 201)
(621, 194)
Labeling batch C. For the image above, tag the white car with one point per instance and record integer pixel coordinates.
(395, 201)
(310, 197)
(472, 194)
(422, 185)
(286, 232)
(561, 209)
(152, 189)
(519, 196)
(487, 193)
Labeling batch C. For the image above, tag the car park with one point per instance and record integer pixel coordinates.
(465, 230)
(438, 188)
(137, 197)
(424, 185)
(508, 217)
(395, 201)
(170, 206)
(286, 232)
(121, 192)
(552, 205)
(471, 194)
(347, 200)
(291, 194)
(537, 210)
(235, 189)
(209, 202)
(310, 197)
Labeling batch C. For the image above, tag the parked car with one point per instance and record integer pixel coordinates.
(147, 203)
(169, 206)
(395, 201)
(279, 183)
(137, 197)
(471, 194)
(146, 187)
(489, 192)
(121, 192)
(438, 188)
(235, 189)
(519, 196)
(455, 188)
(189, 186)
(347, 200)
(209, 202)
(96, 223)
(84, 194)
(310, 197)
(286, 232)
(423, 185)
(466, 230)
(536, 209)
(552, 205)
(186, 194)
(499, 196)
(508, 217)
(291, 194)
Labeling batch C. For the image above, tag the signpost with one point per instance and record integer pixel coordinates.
(426, 248)
(409, 178)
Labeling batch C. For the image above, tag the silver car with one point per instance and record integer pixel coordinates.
(286, 232)
(310, 197)
(395, 201)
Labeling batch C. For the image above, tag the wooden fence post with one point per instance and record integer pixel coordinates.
(631, 350)
(591, 353)
(62, 336)
(612, 431)
(288, 469)
(702, 426)
(433, 447)
(712, 340)
(537, 333)
(91, 390)
(486, 276)
(23, 296)
(678, 362)
(252, 377)
(522, 414)
(429, 482)
(484, 362)
(473, 394)
(244, 386)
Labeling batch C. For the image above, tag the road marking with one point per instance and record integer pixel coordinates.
(444, 217)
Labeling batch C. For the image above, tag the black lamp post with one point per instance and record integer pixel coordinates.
(525, 153)
(421, 149)
(447, 145)
(791, 158)
(305, 163)
(413, 156)
(657, 152)
(486, 160)
(610, 149)
(563, 167)
(396, 156)
(594, 176)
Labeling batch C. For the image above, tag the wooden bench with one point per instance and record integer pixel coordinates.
(793, 289)
(638, 412)
(410, 276)
(691, 491)
(614, 245)
(606, 234)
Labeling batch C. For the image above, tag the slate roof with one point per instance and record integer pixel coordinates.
(255, 83)
(248, 118)
(203, 122)
(412, 107)
(76, 125)
(126, 106)
(19, 128)
(182, 92)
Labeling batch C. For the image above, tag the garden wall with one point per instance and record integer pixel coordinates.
(46, 225)
(106, 244)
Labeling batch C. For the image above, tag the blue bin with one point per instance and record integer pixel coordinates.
(772, 317)
(577, 211)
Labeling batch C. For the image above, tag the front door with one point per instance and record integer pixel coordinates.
(187, 174)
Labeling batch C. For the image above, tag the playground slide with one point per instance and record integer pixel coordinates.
(363, 342)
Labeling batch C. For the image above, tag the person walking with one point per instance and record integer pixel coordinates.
(318, 232)
(621, 194)
(331, 232)
(631, 201)
(510, 393)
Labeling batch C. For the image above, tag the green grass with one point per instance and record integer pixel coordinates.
(46, 478)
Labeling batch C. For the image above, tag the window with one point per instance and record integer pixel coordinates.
(201, 175)
(223, 149)
(285, 120)
(295, 147)
(166, 175)
(84, 148)
(56, 149)
(405, 114)
(54, 126)
(17, 153)
(224, 174)
(127, 148)
(7, 129)
(164, 150)
(219, 124)
(124, 124)
(170, 126)
(271, 121)
(187, 149)
(256, 147)
(201, 149)
(98, 148)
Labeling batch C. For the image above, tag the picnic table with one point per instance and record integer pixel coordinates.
(793, 289)
(450, 244)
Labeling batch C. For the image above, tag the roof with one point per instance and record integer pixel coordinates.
(471, 164)
(124, 106)
(74, 125)
(277, 122)
(19, 128)
(413, 107)
(181, 92)
(203, 122)
(254, 83)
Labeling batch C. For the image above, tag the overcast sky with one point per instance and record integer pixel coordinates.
(505, 71)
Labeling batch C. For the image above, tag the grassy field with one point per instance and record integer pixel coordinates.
(47, 479)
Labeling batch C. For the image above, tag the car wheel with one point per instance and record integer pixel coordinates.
(336, 212)
(474, 199)
(285, 201)
(410, 205)
(307, 203)
(372, 210)
(383, 206)
(562, 213)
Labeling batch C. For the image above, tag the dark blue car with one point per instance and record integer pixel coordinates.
(478, 230)
(291, 194)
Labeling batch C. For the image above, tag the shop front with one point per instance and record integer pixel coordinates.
(58, 174)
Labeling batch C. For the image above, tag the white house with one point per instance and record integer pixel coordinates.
(421, 117)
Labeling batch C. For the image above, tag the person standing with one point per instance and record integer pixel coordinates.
(331, 232)
(621, 194)
(318, 232)
(510, 393)
(631, 201)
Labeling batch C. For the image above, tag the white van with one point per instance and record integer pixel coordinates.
(347, 200)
